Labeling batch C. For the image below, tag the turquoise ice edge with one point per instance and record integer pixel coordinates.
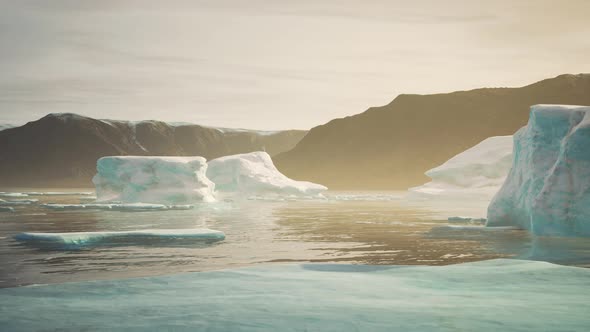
(494, 295)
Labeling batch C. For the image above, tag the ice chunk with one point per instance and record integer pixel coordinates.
(493, 295)
(460, 219)
(6, 209)
(10, 195)
(159, 180)
(255, 174)
(18, 201)
(117, 206)
(480, 169)
(548, 188)
(75, 240)
(59, 193)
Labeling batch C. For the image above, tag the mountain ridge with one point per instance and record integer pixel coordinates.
(61, 149)
(391, 146)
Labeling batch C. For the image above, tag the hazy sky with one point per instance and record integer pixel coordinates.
(272, 64)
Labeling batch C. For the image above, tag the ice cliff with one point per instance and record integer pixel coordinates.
(166, 180)
(480, 169)
(548, 188)
(255, 174)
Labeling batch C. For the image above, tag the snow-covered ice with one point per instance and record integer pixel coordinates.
(254, 174)
(73, 240)
(548, 188)
(159, 180)
(6, 209)
(480, 169)
(494, 295)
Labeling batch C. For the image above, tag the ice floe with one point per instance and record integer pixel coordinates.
(494, 295)
(74, 240)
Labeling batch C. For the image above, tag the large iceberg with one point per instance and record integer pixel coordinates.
(255, 174)
(480, 169)
(548, 188)
(162, 180)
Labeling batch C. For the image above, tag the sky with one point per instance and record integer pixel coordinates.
(272, 64)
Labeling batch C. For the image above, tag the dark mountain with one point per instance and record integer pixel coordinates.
(60, 150)
(390, 147)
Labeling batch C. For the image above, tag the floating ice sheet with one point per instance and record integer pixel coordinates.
(117, 206)
(75, 240)
(496, 295)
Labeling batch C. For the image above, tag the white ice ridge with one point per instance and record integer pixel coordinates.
(159, 180)
(81, 239)
(117, 206)
(548, 188)
(255, 174)
(479, 169)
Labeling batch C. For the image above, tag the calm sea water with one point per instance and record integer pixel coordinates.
(364, 228)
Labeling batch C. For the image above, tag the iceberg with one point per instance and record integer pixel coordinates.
(548, 188)
(255, 174)
(494, 295)
(480, 169)
(159, 180)
(76, 240)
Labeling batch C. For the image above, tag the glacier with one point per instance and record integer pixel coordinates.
(548, 188)
(494, 295)
(255, 174)
(159, 180)
(77, 240)
(480, 170)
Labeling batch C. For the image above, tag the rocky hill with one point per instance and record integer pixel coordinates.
(60, 150)
(390, 147)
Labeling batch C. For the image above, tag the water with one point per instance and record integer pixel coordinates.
(355, 228)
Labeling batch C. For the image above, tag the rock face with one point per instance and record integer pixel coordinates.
(161, 180)
(61, 150)
(481, 169)
(253, 174)
(395, 144)
(548, 188)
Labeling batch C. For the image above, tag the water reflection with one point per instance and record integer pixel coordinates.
(352, 229)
